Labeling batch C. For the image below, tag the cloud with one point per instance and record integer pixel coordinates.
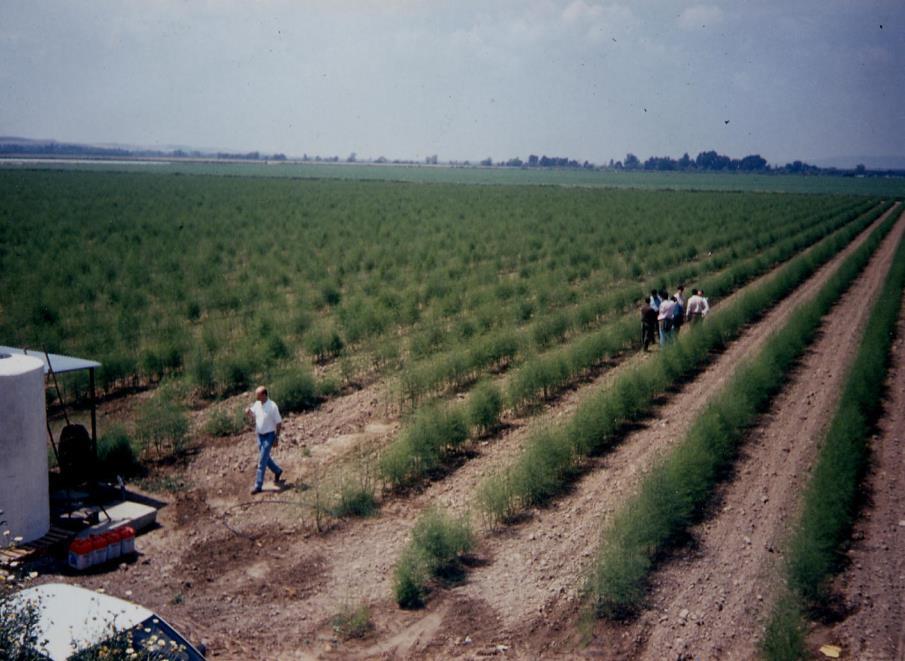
(581, 10)
(697, 16)
(598, 21)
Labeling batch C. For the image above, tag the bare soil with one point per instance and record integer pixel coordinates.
(253, 578)
(872, 590)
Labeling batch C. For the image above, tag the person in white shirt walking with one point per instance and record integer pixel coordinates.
(664, 317)
(697, 307)
(267, 425)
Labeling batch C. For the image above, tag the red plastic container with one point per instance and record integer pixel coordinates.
(81, 554)
(114, 544)
(98, 549)
(128, 540)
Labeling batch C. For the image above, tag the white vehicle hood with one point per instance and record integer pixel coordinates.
(72, 618)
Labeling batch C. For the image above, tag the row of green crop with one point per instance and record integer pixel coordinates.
(552, 455)
(456, 368)
(674, 494)
(434, 432)
(831, 497)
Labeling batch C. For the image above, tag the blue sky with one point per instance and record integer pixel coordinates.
(463, 79)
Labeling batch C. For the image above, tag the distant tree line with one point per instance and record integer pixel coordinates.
(249, 156)
(535, 161)
(68, 149)
(52, 148)
(705, 161)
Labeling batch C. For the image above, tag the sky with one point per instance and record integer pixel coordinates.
(463, 79)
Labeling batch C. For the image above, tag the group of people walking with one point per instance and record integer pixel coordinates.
(663, 315)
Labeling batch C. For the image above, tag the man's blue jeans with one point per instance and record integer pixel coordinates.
(265, 445)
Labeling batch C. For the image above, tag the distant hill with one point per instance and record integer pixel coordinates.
(31, 146)
(16, 140)
(19, 146)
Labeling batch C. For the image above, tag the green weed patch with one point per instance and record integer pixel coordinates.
(437, 543)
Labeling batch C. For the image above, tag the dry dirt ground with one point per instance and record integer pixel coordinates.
(254, 579)
(872, 590)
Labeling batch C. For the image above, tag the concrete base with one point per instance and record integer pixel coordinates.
(124, 513)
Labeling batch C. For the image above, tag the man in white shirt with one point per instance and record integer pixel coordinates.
(664, 317)
(267, 425)
(697, 307)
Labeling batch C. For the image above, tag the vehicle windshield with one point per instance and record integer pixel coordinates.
(152, 639)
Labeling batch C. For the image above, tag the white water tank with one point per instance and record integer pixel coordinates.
(23, 449)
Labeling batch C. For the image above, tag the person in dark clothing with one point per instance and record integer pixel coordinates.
(680, 295)
(648, 324)
(677, 317)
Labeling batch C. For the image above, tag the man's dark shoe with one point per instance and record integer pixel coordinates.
(278, 477)
(255, 490)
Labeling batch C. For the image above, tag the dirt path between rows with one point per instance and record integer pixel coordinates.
(711, 600)
(873, 587)
(530, 571)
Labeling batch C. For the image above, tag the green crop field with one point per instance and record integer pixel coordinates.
(442, 318)
(710, 181)
(225, 280)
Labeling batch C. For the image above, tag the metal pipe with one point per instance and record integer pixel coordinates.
(93, 401)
